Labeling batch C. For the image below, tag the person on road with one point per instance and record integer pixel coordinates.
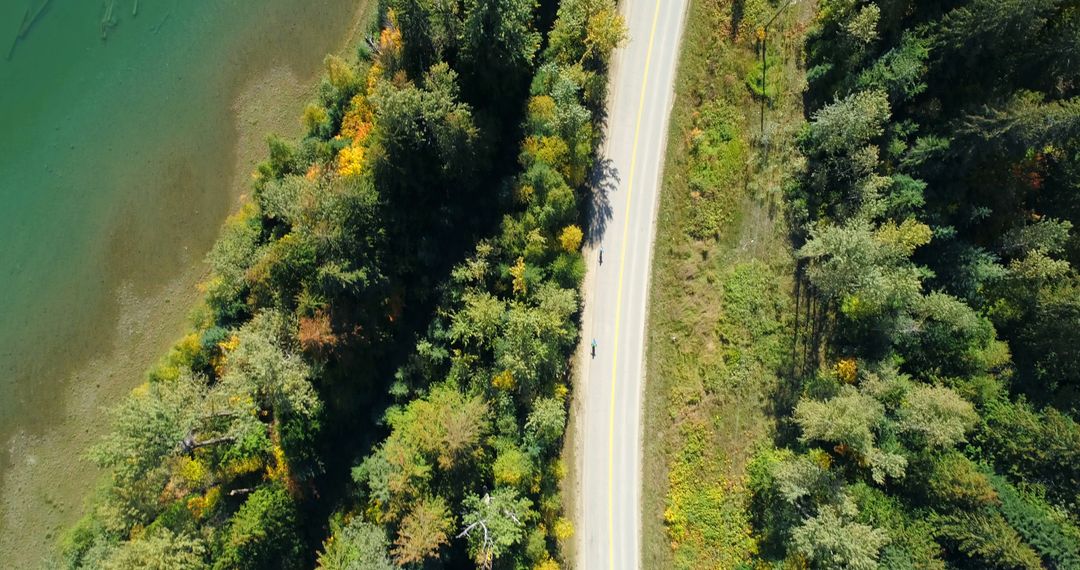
(601, 255)
(594, 348)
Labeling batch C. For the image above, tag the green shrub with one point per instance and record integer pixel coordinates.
(717, 159)
(706, 514)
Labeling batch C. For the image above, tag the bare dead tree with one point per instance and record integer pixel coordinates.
(486, 556)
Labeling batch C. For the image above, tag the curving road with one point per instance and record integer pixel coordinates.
(624, 211)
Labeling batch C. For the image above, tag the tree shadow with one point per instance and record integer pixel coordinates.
(738, 9)
(604, 182)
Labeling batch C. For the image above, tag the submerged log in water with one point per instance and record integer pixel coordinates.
(30, 17)
(108, 21)
(19, 34)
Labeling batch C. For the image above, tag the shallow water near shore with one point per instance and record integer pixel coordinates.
(119, 159)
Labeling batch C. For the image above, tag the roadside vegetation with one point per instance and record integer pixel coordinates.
(924, 414)
(721, 318)
(377, 376)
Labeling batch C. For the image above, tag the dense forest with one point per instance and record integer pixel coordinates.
(931, 418)
(377, 376)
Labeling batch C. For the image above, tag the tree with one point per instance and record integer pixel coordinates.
(229, 260)
(436, 434)
(498, 43)
(862, 26)
(512, 467)
(955, 480)
(532, 341)
(937, 415)
(546, 422)
(832, 540)
(1047, 345)
(429, 31)
(900, 72)
(478, 320)
(422, 531)
(1036, 447)
(604, 32)
(951, 339)
(584, 28)
(493, 524)
(867, 270)
(424, 151)
(263, 367)
(800, 477)
(849, 420)
(988, 539)
(273, 375)
(158, 550)
(995, 37)
(262, 534)
(358, 545)
(446, 425)
(570, 238)
(147, 428)
(846, 126)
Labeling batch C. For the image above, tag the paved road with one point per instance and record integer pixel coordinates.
(639, 104)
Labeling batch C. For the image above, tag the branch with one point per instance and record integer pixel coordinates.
(467, 529)
(188, 444)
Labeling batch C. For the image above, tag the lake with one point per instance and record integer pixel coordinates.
(128, 131)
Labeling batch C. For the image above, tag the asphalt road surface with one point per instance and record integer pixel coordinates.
(624, 210)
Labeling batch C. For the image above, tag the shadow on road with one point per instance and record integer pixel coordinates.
(605, 181)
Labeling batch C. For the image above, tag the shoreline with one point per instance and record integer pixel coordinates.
(45, 482)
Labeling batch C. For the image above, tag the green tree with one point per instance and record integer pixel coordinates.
(424, 150)
(358, 545)
(900, 72)
(158, 550)
(1036, 447)
(266, 368)
(147, 428)
(546, 422)
(498, 42)
(478, 320)
(534, 339)
(849, 419)
(988, 540)
(441, 431)
(866, 270)
(937, 415)
(493, 524)
(832, 540)
(955, 480)
(262, 534)
(846, 126)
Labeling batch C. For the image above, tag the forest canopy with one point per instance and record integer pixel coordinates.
(936, 424)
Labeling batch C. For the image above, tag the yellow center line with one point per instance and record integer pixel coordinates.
(619, 291)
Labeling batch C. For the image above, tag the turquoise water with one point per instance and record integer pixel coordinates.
(118, 160)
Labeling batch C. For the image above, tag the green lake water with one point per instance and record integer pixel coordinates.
(119, 160)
